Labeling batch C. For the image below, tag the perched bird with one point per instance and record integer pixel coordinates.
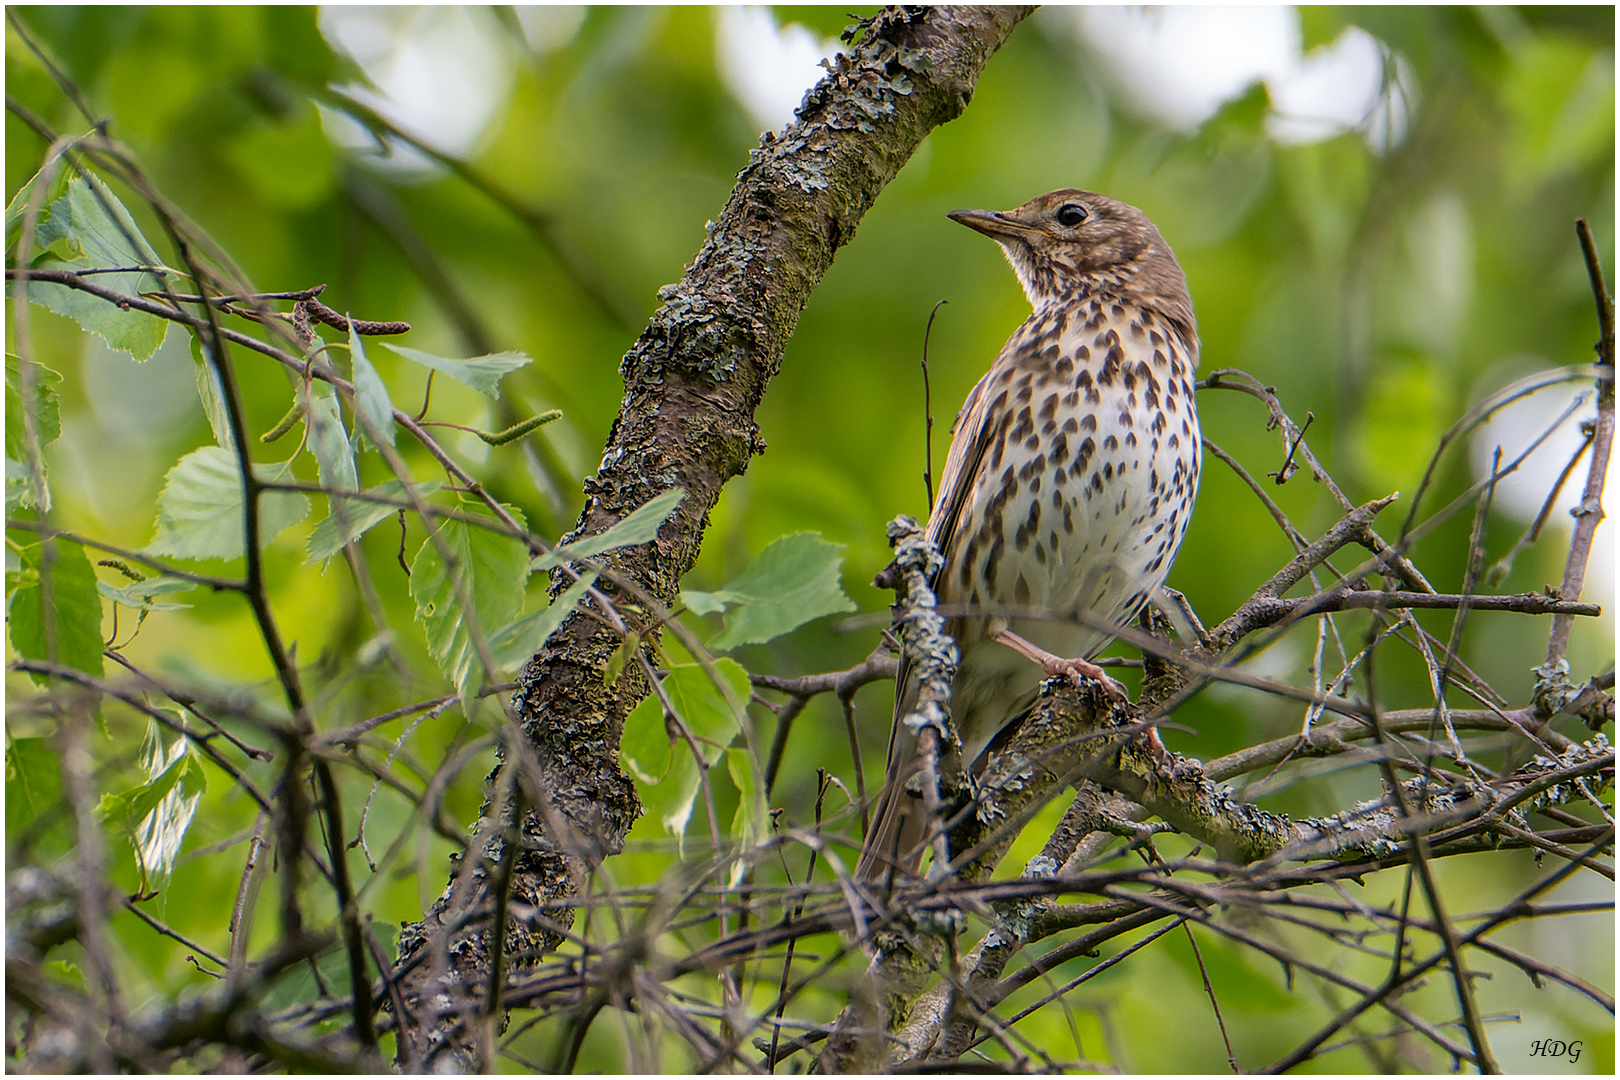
(1070, 480)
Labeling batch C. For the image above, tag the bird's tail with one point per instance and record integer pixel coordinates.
(894, 843)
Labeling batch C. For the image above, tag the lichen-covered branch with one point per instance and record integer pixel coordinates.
(692, 382)
(1078, 736)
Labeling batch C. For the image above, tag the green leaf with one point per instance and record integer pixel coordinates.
(47, 406)
(796, 579)
(667, 772)
(371, 403)
(710, 603)
(749, 823)
(515, 642)
(482, 373)
(639, 526)
(208, 389)
(139, 595)
(328, 538)
(493, 567)
(200, 508)
(75, 605)
(17, 209)
(162, 831)
(90, 226)
(159, 812)
(330, 441)
(33, 783)
(48, 426)
(19, 488)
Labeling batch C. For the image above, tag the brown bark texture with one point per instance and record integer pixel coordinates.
(693, 380)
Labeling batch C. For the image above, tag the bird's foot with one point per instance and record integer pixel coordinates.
(1075, 668)
(1156, 747)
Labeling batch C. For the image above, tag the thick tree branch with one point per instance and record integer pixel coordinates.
(692, 382)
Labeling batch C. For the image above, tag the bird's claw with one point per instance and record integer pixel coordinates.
(1078, 670)
(1074, 667)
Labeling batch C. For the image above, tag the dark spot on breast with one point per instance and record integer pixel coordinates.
(1110, 367)
(1022, 429)
(992, 563)
(969, 552)
(1110, 443)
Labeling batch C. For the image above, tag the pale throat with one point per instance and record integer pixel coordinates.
(1049, 280)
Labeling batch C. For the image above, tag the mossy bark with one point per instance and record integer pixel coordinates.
(693, 380)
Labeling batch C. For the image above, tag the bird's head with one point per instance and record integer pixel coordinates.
(1058, 240)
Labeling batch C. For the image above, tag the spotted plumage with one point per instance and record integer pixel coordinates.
(1071, 475)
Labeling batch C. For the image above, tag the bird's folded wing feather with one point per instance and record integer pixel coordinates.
(970, 440)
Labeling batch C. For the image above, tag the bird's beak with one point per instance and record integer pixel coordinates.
(993, 223)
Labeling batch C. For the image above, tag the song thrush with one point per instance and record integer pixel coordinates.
(1070, 480)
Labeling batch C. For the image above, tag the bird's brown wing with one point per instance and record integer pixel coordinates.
(970, 440)
(895, 832)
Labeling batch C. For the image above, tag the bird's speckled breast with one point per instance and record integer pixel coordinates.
(1085, 488)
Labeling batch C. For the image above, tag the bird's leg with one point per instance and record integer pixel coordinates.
(1053, 664)
(1075, 669)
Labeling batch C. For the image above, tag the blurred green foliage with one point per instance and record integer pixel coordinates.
(1382, 293)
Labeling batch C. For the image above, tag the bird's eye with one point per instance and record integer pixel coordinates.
(1071, 214)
